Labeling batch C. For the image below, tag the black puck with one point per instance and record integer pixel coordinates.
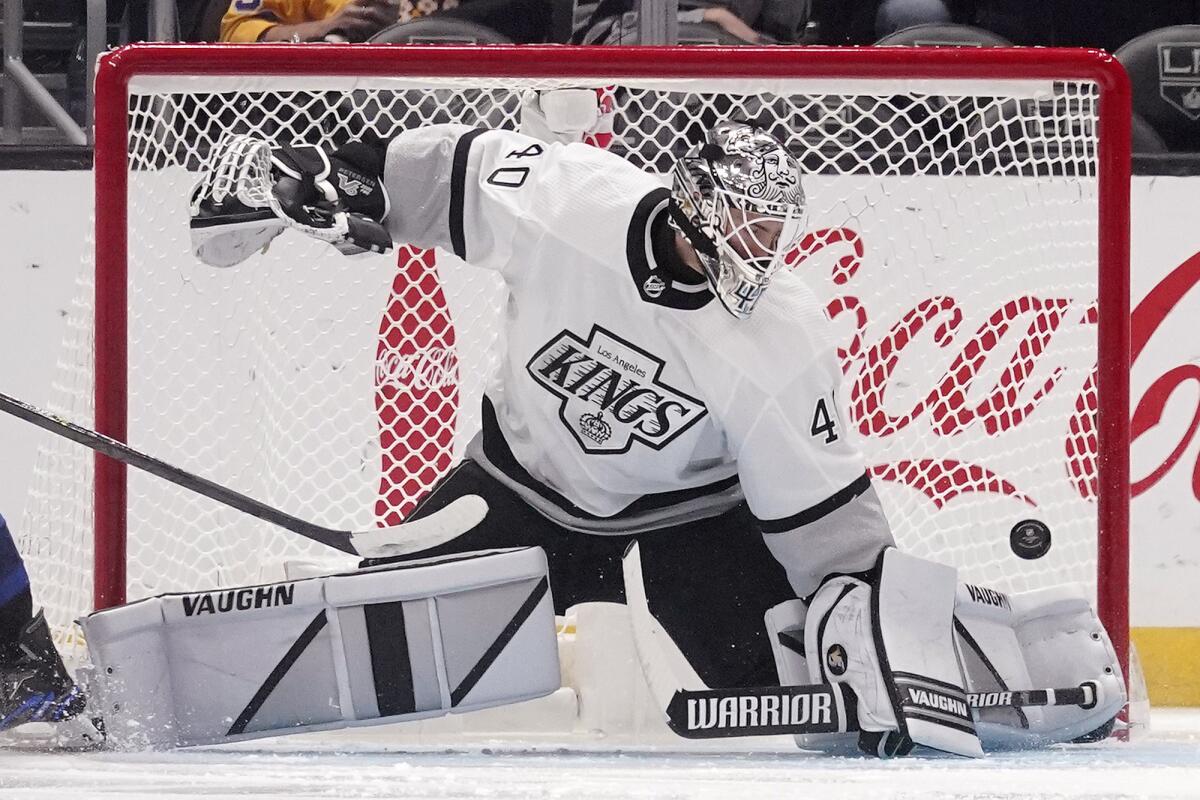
(1030, 539)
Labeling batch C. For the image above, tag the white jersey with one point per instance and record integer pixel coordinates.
(628, 399)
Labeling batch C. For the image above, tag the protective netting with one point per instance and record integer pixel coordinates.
(953, 235)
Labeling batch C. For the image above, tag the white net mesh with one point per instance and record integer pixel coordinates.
(953, 236)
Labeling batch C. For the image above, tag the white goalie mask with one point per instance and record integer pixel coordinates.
(738, 200)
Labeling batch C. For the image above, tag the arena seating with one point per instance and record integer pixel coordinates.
(944, 35)
(1164, 68)
(439, 30)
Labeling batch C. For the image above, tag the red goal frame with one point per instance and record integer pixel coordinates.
(116, 68)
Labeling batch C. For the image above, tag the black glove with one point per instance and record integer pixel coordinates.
(251, 190)
(313, 187)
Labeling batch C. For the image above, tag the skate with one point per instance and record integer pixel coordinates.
(34, 684)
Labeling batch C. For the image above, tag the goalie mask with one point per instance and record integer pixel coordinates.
(738, 201)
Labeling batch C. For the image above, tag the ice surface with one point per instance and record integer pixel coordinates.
(1161, 763)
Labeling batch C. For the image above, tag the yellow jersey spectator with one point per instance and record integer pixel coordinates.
(316, 20)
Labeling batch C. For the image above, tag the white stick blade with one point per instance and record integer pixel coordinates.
(412, 537)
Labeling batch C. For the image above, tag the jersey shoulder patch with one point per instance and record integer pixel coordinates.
(653, 283)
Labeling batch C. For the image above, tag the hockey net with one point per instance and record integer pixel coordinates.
(966, 236)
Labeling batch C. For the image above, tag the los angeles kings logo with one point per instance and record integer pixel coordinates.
(611, 392)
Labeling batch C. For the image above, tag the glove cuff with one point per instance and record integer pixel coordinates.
(357, 174)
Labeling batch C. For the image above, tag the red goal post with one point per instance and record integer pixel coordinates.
(919, 119)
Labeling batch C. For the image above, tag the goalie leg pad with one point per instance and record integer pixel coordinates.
(892, 644)
(403, 641)
(1043, 638)
(1034, 640)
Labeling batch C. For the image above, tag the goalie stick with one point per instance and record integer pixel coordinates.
(820, 708)
(409, 537)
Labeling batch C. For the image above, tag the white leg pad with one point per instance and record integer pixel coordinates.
(785, 631)
(892, 644)
(402, 641)
(1047, 638)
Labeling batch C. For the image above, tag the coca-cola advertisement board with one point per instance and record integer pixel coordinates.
(1165, 402)
(842, 260)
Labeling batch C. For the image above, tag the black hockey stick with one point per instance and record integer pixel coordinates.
(820, 708)
(443, 525)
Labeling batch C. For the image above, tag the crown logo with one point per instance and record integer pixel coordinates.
(1191, 99)
(595, 428)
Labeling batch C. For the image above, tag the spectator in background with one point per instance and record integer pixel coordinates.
(896, 15)
(616, 22)
(358, 20)
(784, 21)
(522, 21)
(730, 22)
(776, 21)
(780, 20)
(623, 29)
(306, 20)
(867, 21)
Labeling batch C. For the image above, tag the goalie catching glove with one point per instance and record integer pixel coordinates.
(251, 191)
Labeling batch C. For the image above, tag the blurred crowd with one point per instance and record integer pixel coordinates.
(1098, 23)
(837, 22)
(1158, 41)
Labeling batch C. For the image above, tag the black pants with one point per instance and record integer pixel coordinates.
(708, 582)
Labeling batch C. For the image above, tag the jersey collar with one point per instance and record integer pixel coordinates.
(658, 273)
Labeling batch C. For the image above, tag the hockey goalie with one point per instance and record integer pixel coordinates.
(663, 432)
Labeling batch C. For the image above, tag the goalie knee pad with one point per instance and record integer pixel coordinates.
(405, 641)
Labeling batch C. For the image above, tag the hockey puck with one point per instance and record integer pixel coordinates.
(1030, 539)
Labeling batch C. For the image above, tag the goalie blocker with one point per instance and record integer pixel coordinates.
(403, 641)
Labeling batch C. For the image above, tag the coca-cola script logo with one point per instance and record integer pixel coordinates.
(952, 404)
(870, 365)
(1146, 321)
(431, 368)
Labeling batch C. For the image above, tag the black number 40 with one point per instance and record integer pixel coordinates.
(514, 177)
